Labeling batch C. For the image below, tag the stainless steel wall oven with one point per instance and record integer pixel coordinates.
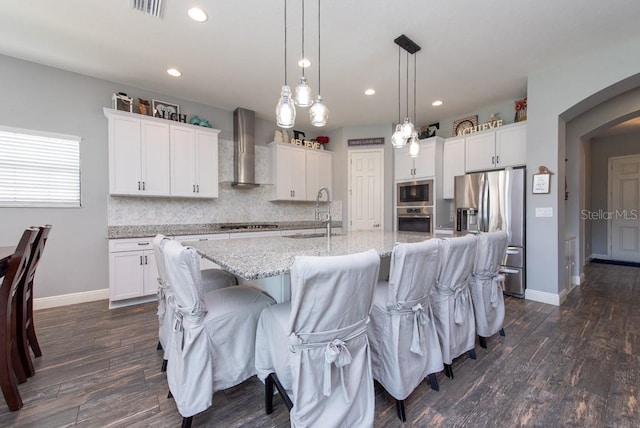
(414, 193)
(415, 219)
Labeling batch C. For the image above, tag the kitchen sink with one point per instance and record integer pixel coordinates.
(311, 235)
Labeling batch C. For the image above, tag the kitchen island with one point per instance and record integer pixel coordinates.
(266, 261)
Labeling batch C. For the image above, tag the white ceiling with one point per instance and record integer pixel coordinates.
(474, 53)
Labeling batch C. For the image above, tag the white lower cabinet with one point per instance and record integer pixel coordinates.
(132, 269)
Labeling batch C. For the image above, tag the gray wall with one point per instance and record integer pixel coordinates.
(601, 150)
(557, 94)
(47, 99)
(579, 132)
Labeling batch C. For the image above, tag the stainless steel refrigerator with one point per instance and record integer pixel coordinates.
(491, 201)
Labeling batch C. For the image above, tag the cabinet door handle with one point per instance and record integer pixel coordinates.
(493, 159)
(143, 243)
(197, 188)
(497, 160)
(194, 188)
(139, 186)
(143, 186)
(146, 262)
(294, 193)
(140, 260)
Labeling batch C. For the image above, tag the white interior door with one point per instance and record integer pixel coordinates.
(366, 194)
(624, 206)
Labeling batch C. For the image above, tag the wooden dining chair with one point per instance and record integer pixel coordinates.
(11, 370)
(26, 333)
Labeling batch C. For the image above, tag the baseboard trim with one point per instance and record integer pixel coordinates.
(131, 302)
(543, 297)
(600, 256)
(70, 299)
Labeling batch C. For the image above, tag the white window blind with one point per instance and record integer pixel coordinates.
(38, 169)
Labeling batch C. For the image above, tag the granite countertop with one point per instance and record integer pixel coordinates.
(145, 231)
(262, 257)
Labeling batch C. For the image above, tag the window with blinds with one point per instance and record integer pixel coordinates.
(39, 169)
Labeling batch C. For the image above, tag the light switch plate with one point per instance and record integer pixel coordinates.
(544, 212)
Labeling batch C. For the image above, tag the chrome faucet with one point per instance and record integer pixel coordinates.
(324, 216)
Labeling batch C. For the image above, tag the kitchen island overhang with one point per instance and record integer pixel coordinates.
(265, 262)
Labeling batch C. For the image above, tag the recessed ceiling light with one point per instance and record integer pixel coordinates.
(370, 91)
(174, 72)
(197, 14)
(304, 63)
(436, 103)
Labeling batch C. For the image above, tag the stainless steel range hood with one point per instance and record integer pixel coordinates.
(244, 149)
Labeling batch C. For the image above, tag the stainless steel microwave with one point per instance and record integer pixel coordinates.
(414, 193)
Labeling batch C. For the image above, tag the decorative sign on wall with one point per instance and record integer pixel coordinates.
(365, 141)
(462, 126)
(165, 110)
(469, 125)
(541, 180)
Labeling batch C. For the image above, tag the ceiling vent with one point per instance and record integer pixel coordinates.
(150, 7)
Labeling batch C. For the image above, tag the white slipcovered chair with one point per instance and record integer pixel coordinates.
(315, 347)
(486, 285)
(452, 306)
(212, 342)
(212, 279)
(402, 332)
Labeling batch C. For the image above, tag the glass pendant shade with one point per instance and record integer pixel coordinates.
(319, 113)
(397, 140)
(285, 110)
(303, 97)
(407, 128)
(414, 145)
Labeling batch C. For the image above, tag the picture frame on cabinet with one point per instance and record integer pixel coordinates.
(164, 109)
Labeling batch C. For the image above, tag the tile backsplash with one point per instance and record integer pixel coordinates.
(233, 205)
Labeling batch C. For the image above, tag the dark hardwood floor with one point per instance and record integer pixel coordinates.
(574, 365)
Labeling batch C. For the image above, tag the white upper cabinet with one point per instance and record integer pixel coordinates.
(155, 157)
(299, 172)
(481, 151)
(319, 170)
(511, 145)
(194, 162)
(452, 164)
(423, 166)
(502, 147)
(138, 156)
(290, 171)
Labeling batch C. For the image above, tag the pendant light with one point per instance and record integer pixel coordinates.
(407, 126)
(303, 97)
(285, 109)
(319, 113)
(405, 132)
(414, 143)
(397, 140)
